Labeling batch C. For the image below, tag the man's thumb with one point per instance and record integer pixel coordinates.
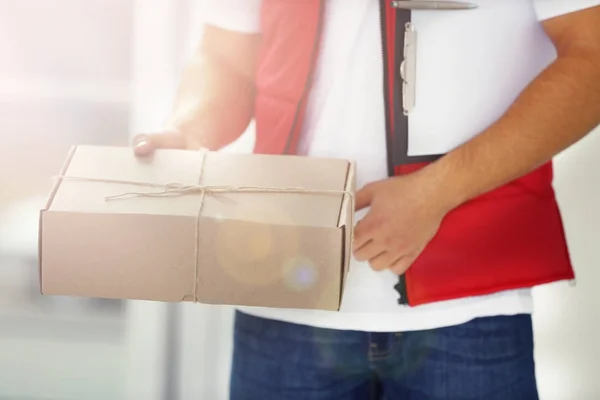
(146, 144)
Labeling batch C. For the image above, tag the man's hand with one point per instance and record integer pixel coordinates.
(145, 144)
(405, 214)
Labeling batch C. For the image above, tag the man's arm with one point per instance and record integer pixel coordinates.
(215, 100)
(556, 110)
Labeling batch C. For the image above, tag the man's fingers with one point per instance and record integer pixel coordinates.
(144, 145)
(363, 233)
(383, 261)
(364, 197)
(401, 265)
(368, 251)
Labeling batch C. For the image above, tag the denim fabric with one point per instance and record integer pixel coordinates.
(485, 359)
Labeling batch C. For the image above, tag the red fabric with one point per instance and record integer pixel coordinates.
(390, 31)
(289, 33)
(510, 238)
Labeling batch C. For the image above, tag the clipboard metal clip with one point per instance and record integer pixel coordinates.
(432, 5)
(408, 69)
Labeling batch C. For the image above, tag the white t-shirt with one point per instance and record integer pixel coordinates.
(345, 119)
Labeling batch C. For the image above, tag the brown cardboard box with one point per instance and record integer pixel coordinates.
(272, 231)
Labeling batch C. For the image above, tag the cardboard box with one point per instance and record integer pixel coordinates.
(217, 228)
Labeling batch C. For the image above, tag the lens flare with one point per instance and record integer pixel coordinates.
(252, 253)
(300, 274)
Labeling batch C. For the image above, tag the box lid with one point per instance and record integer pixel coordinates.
(95, 173)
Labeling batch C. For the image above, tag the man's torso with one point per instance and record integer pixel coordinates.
(471, 66)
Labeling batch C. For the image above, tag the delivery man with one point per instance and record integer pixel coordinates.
(453, 112)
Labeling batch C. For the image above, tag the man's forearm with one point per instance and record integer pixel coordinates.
(557, 109)
(212, 105)
(215, 100)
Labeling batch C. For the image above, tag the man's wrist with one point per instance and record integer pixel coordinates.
(443, 183)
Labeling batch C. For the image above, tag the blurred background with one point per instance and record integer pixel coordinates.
(97, 71)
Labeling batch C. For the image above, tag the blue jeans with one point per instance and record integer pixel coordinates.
(485, 359)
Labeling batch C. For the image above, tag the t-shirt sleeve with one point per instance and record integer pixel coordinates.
(234, 15)
(547, 9)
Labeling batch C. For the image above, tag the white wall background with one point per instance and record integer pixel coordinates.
(63, 79)
(567, 319)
